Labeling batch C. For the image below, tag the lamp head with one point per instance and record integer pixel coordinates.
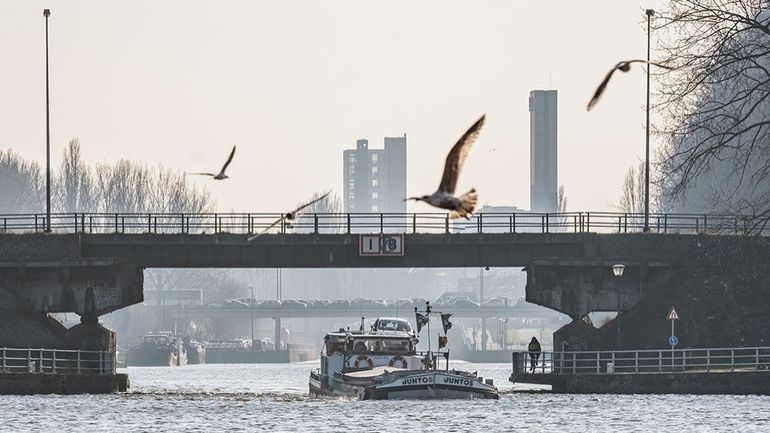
(618, 269)
(46, 13)
(650, 12)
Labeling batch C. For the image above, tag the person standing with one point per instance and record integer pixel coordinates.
(534, 353)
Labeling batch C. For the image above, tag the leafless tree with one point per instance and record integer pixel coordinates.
(632, 196)
(716, 104)
(22, 187)
(74, 183)
(562, 207)
(329, 212)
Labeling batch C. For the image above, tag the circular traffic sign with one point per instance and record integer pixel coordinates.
(673, 341)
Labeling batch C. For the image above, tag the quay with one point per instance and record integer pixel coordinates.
(744, 370)
(55, 371)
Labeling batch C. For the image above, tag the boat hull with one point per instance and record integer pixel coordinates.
(429, 385)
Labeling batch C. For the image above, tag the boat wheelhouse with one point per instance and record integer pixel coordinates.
(351, 359)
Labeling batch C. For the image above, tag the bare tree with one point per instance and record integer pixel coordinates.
(716, 104)
(329, 212)
(562, 206)
(74, 184)
(632, 196)
(22, 188)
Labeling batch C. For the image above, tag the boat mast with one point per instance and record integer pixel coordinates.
(430, 353)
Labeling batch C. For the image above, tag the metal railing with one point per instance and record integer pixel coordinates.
(249, 223)
(712, 360)
(29, 360)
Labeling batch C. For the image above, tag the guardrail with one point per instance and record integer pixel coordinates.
(29, 360)
(711, 360)
(249, 223)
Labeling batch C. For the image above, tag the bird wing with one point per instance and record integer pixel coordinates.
(296, 211)
(278, 221)
(603, 85)
(229, 160)
(456, 157)
(201, 174)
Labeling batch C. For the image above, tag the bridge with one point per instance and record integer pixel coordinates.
(186, 313)
(92, 263)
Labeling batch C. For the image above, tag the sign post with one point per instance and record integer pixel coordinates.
(673, 316)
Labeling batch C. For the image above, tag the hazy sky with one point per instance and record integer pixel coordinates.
(294, 83)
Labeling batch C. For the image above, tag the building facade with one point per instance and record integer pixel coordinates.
(543, 183)
(375, 179)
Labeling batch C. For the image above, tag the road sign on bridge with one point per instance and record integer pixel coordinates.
(381, 244)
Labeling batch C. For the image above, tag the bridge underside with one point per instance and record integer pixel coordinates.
(92, 274)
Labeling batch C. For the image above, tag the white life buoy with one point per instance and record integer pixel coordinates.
(397, 359)
(360, 358)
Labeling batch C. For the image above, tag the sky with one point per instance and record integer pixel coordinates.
(294, 83)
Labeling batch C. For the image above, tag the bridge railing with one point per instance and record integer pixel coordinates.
(29, 360)
(327, 223)
(710, 360)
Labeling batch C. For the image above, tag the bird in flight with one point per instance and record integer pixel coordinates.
(623, 66)
(221, 175)
(289, 216)
(444, 197)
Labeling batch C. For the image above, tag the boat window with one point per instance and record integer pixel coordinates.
(393, 325)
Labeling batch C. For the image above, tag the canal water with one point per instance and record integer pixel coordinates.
(273, 397)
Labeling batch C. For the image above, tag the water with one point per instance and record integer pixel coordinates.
(273, 397)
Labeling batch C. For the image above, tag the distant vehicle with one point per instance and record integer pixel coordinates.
(270, 303)
(464, 303)
(234, 303)
(215, 305)
(363, 303)
(293, 303)
(419, 302)
(321, 303)
(339, 303)
(496, 302)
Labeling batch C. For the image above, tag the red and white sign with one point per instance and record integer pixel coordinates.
(672, 315)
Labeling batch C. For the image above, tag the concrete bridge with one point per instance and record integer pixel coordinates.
(92, 264)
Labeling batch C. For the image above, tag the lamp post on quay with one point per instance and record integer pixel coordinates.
(617, 270)
(46, 14)
(650, 13)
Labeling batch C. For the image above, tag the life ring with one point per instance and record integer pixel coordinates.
(360, 358)
(396, 359)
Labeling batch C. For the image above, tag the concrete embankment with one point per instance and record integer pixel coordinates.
(61, 383)
(665, 383)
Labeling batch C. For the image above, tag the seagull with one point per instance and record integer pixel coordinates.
(444, 198)
(221, 175)
(623, 66)
(289, 216)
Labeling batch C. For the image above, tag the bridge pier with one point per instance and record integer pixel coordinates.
(277, 340)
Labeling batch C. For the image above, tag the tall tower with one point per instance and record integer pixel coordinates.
(543, 173)
(375, 179)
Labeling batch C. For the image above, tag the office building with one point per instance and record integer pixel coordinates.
(375, 179)
(543, 179)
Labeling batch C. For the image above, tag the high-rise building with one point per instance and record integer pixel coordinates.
(543, 174)
(375, 179)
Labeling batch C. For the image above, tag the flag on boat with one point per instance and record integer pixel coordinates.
(442, 341)
(421, 319)
(445, 321)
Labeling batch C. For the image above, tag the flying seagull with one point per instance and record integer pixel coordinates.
(444, 197)
(221, 175)
(289, 216)
(623, 66)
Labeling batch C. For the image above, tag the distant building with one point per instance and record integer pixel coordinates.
(543, 179)
(375, 179)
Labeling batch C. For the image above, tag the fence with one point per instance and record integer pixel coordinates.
(249, 223)
(13, 360)
(716, 360)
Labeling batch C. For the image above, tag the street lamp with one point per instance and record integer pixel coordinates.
(646, 229)
(617, 270)
(46, 14)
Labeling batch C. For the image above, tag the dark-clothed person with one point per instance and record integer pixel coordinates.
(534, 353)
